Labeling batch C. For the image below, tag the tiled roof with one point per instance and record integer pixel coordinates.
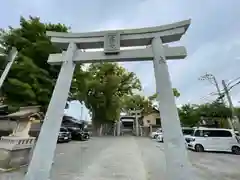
(24, 112)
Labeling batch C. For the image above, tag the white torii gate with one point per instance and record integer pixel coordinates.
(174, 146)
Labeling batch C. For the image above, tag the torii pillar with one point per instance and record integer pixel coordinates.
(177, 165)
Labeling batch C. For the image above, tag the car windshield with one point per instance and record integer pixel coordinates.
(63, 130)
(187, 131)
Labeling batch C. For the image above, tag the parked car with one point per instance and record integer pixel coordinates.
(78, 134)
(86, 134)
(156, 133)
(214, 139)
(237, 133)
(186, 133)
(64, 135)
(160, 137)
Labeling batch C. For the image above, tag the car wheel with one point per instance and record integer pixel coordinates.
(199, 148)
(155, 136)
(236, 150)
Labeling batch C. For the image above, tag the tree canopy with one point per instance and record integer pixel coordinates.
(136, 102)
(31, 79)
(190, 115)
(102, 89)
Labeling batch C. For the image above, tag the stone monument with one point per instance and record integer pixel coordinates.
(15, 149)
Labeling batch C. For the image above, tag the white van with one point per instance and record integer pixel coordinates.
(155, 134)
(213, 139)
(187, 131)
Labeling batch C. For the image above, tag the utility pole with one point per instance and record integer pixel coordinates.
(234, 115)
(210, 77)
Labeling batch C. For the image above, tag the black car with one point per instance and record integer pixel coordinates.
(78, 134)
(86, 134)
(64, 135)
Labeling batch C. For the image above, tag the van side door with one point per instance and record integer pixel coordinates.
(211, 140)
(222, 140)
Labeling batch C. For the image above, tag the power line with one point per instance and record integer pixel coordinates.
(233, 81)
(233, 85)
(228, 89)
(209, 96)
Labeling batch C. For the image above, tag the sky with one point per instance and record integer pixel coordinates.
(77, 110)
(212, 41)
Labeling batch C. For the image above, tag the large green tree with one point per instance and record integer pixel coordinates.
(188, 115)
(31, 79)
(215, 109)
(136, 102)
(101, 88)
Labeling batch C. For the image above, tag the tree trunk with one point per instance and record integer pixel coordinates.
(100, 130)
(97, 128)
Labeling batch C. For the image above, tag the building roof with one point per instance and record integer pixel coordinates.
(24, 112)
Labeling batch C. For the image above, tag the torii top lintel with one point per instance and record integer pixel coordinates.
(128, 37)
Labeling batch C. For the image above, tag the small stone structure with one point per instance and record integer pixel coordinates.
(15, 149)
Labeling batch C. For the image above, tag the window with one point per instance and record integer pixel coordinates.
(63, 130)
(187, 131)
(198, 133)
(158, 122)
(217, 133)
(225, 134)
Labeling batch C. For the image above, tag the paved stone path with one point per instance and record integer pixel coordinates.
(120, 161)
(129, 158)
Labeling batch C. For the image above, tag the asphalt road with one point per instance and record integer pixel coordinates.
(205, 166)
(113, 158)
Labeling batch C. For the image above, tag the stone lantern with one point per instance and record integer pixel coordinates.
(15, 149)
